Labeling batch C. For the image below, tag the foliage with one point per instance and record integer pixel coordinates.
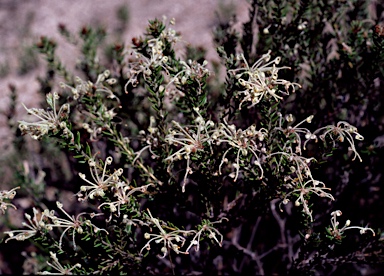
(176, 172)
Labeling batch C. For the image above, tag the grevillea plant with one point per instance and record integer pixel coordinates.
(168, 168)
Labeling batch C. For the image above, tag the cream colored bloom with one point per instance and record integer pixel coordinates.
(260, 81)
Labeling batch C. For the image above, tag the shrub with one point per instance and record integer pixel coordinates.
(175, 173)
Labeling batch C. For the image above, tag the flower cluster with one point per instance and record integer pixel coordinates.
(7, 195)
(83, 88)
(143, 65)
(101, 180)
(175, 75)
(49, 120)
(192, 140)
(335, 232)
(122, 192)
(191, 71)
(299, 180)
(61, 270)
(72, 223)
(342, 130)
(207, 226)
(243, 142)
(171, 240)
(104, 181)
(38, 224)
(261, 80)
(305, 189)
(45, 221)
(176, 238)
(294, 132)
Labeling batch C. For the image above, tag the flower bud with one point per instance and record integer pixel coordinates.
(109, 160)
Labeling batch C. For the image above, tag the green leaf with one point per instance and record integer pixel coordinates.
(77, 140)
(88, 150)
(50, 99)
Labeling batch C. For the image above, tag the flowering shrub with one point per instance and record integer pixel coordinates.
(168, 170)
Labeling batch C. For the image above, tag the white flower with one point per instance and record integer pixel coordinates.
(261, 80)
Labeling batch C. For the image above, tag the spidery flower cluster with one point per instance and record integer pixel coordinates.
(122, 193)
(75, 224)
(60, 269)
(335, 232)
(143, 65)
(45, 221)
(51, 119)
(190, 140)
(191, 71)
(342, 131)
(243, 142)
(305, 189)
(88, 88)
(5, 195)
(175, 75)
(173, 240)
(261, 80)
(102, 181)
(94, 119)
(176, 238)
(207, 226)
(39, 224)
(299, 180)
(294, 133)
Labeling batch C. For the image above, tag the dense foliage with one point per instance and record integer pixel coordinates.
(170, 170)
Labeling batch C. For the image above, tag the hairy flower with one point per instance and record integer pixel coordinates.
(170, 240)
(101, 180)
(122, 192)
(342, 130)
(261, 80)
(337, 232)
(83, 88)
(192, 139)
(299, 164)
(7, 195)
(295, 132)
(72, 223)
(61, 270)
(39, 223)
(143, 65)
(241, 141)
(207, 226)
(191, 70)
(49, 120)
(305, 189)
